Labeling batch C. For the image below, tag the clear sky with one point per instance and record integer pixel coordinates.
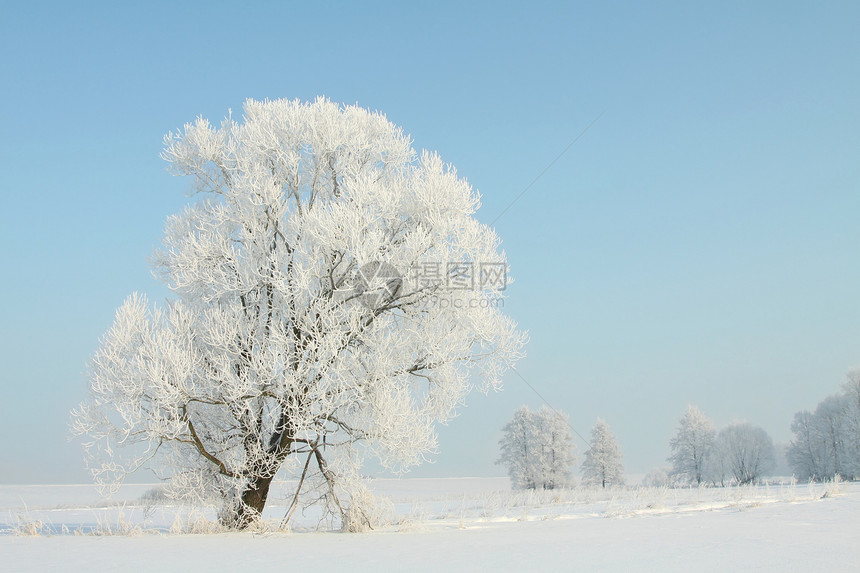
(698, 244)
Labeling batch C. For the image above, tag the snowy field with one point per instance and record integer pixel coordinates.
(465, 524)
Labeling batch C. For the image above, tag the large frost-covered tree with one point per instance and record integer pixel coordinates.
(602, 464)
(333, 293)
(538, 449)
(691, 446)
(743, 451)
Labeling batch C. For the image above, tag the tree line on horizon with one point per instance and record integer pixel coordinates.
(826, 440)
(538, 449)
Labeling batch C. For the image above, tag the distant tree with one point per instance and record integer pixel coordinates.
(716, 465)
(537, 449)
(602, 463)
(306, 316)
(658, 477)
(805, 453)
(824, 444)
(556, 448)
(781, 466)
(745, 451)
(691, 446)
(851, 391)
(518, 450)
(831, 421)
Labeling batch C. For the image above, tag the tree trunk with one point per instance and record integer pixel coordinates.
(251, 504)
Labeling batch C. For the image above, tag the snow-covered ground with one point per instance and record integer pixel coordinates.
(449, 525)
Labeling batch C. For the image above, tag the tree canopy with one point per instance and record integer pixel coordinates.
(334, 297)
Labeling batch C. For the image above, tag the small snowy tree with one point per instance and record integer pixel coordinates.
(538, 449)
(518, 450)
(691, 447)
(746, 452)
(332, 288)
(602, 463)
(556, 448)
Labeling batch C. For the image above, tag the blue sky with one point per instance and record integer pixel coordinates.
(697, 244)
